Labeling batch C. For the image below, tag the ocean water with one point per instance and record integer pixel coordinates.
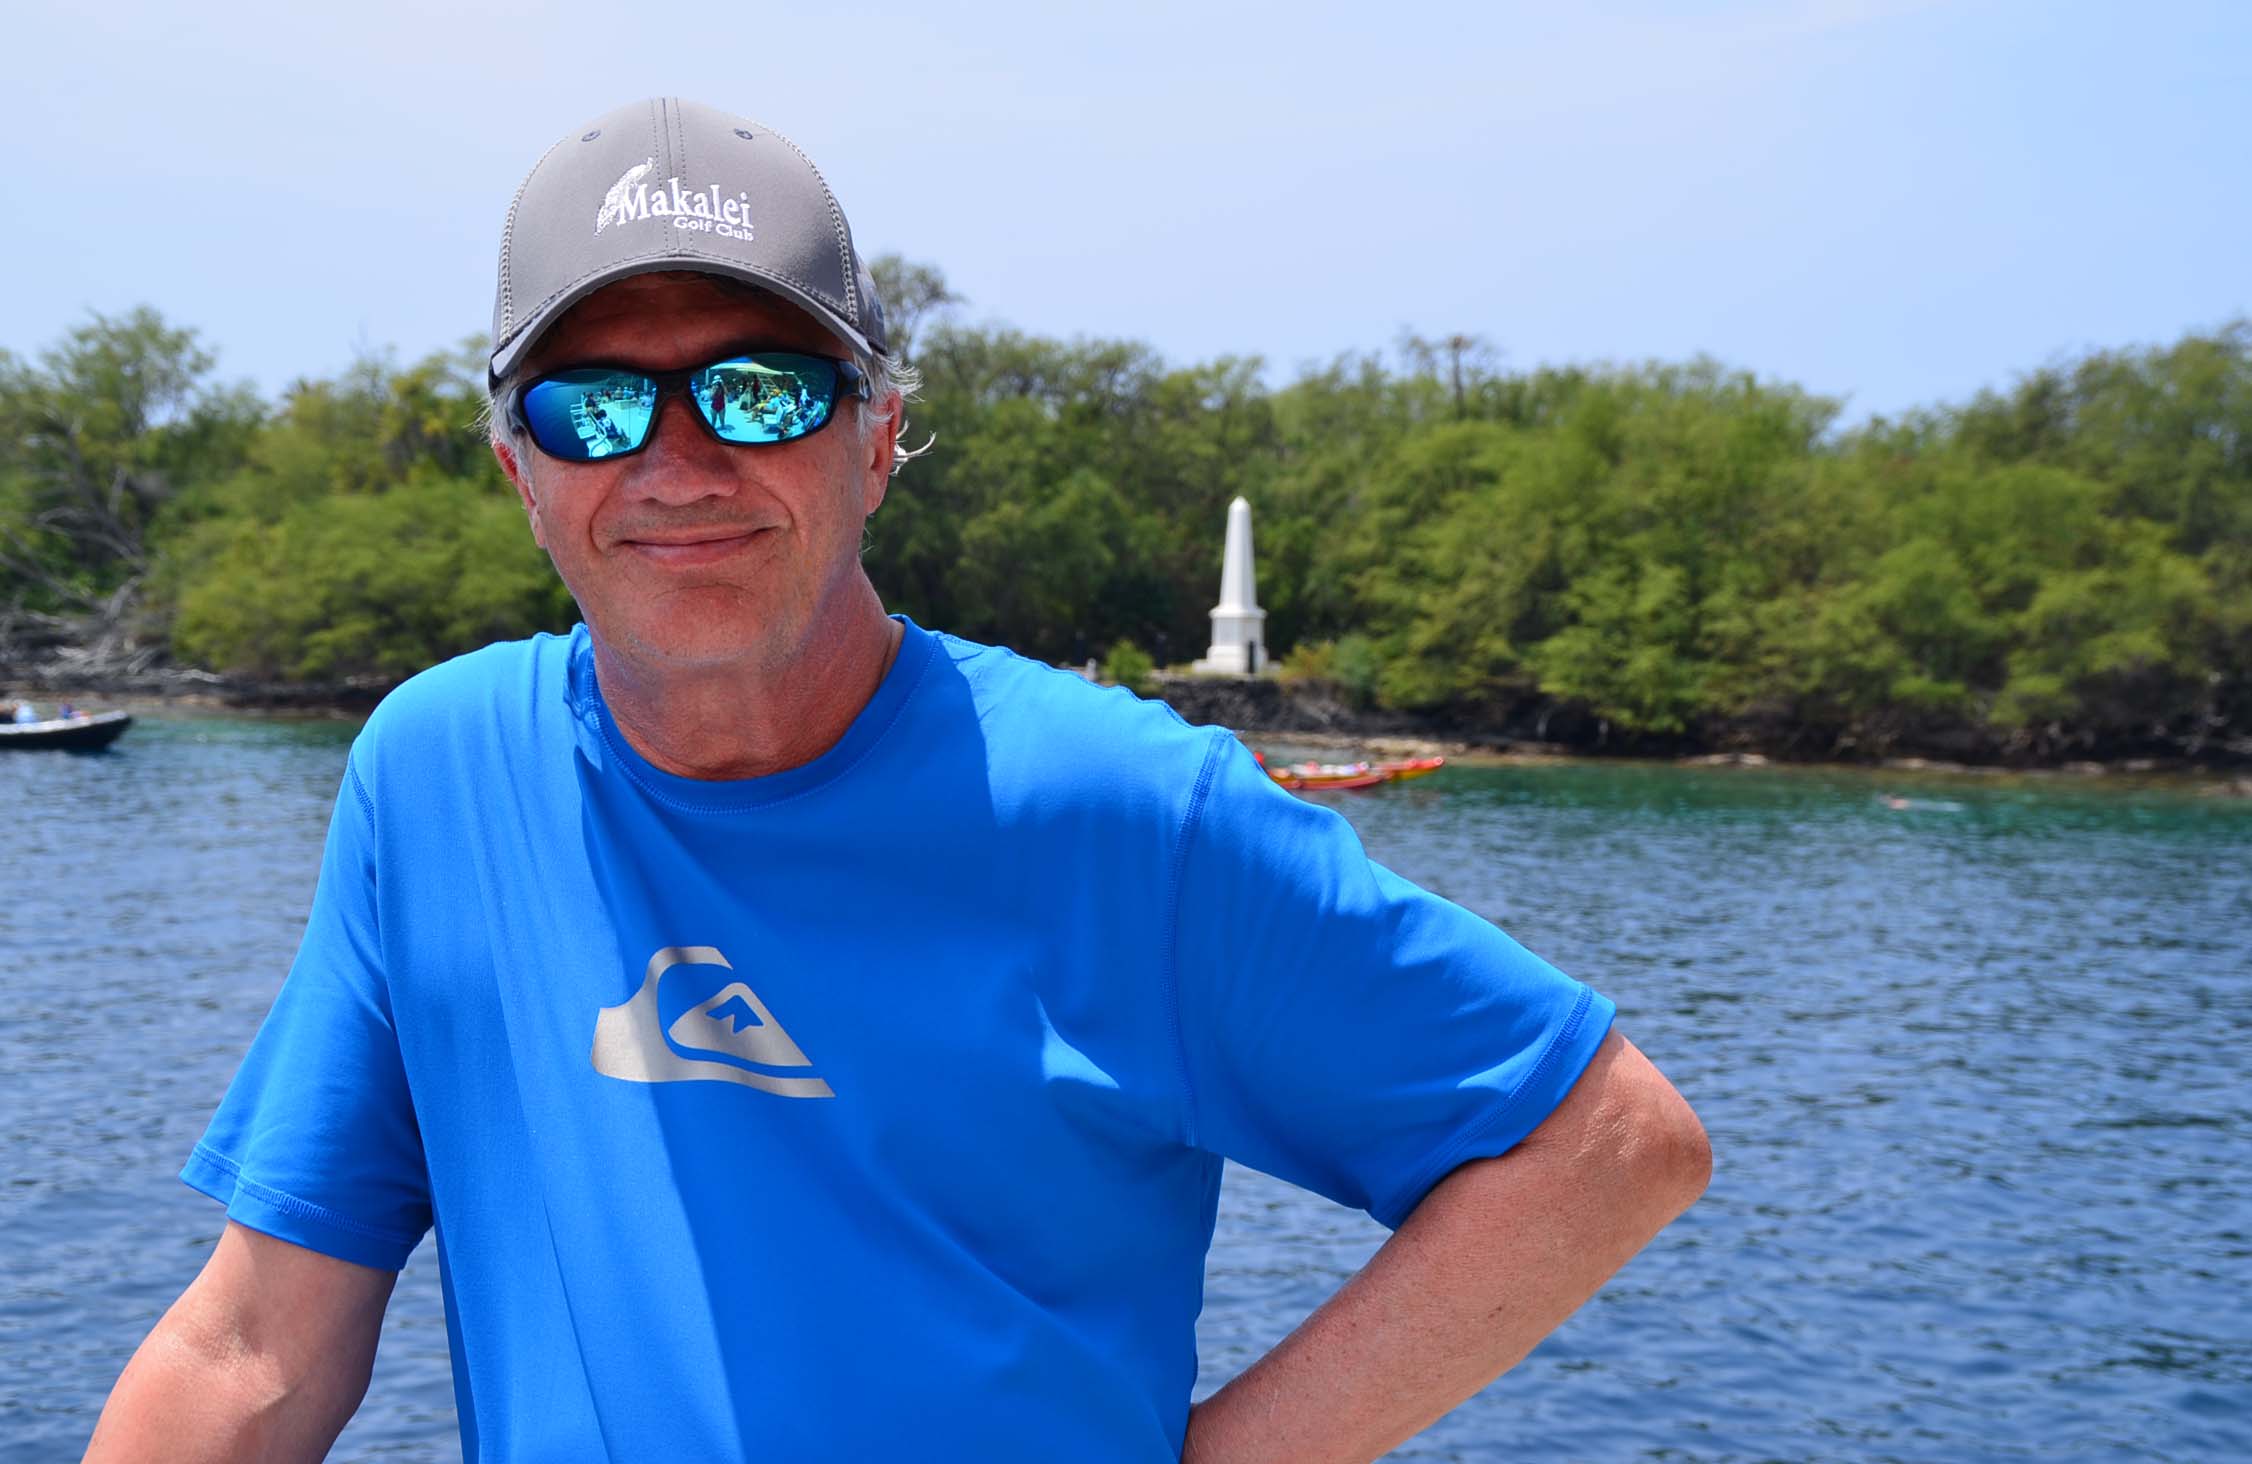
(1977, 1073)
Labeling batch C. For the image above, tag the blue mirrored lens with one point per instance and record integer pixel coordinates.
(771, 397)
(583, 415)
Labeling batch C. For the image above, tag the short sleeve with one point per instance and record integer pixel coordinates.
(1342, 1028)
(316, 1141)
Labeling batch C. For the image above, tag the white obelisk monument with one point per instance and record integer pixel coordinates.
(1239, 639)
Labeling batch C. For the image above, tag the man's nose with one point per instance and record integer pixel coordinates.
(682, 461)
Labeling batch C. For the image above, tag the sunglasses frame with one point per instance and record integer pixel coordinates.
(851, 382)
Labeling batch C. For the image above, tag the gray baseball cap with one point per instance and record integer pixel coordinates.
(670, 184)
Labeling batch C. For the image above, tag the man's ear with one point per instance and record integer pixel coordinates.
(523, 485)
(883, 448)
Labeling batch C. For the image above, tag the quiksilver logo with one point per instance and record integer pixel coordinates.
(728, 1036)
(631, 201)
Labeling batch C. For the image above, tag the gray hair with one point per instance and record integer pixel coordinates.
(886, 376)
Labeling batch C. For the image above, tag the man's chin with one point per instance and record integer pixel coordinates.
(693, 638)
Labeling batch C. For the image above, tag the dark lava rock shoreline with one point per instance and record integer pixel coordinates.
(1540, 726)
(1315, 714)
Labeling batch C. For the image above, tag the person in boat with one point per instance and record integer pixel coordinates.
(815, 1036)
(24, 712)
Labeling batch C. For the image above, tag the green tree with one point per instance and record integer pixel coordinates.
(98, 438)
(366, 532)
(367, 585)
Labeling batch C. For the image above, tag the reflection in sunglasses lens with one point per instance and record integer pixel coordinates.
(584, 415)
(773, 399)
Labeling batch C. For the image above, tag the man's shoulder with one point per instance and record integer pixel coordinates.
(493, 694)
(1018, 695)
(1051, 733)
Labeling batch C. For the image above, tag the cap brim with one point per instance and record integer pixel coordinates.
(510, 356)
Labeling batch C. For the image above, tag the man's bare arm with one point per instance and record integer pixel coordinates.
(1496, 1256)
(263, 1357)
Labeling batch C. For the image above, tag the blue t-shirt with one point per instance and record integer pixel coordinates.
(871, 1109)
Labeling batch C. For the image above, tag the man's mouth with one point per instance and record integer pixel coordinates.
(686, 550)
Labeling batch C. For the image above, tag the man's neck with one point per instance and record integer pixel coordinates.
(749, 720)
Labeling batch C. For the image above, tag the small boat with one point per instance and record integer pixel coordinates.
(81, 733)
(1310, 777)
(1330, 782)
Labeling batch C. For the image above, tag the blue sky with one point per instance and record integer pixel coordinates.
(1892, 202)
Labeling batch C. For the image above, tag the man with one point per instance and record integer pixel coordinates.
(817, 1038)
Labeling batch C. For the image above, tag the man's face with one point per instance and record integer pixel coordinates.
(694, 552)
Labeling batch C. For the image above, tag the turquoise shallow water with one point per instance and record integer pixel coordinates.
(1976, 1072)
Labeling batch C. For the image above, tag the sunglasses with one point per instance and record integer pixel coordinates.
(760, 397)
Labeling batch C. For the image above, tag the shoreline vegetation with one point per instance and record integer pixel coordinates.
(1676, 561)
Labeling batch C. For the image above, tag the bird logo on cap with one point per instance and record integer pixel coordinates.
(617, 204)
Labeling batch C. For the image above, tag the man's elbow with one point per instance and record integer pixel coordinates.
(1625, 1130)
(1679, 1156)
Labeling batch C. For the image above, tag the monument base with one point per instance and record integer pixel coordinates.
(1231, 661)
